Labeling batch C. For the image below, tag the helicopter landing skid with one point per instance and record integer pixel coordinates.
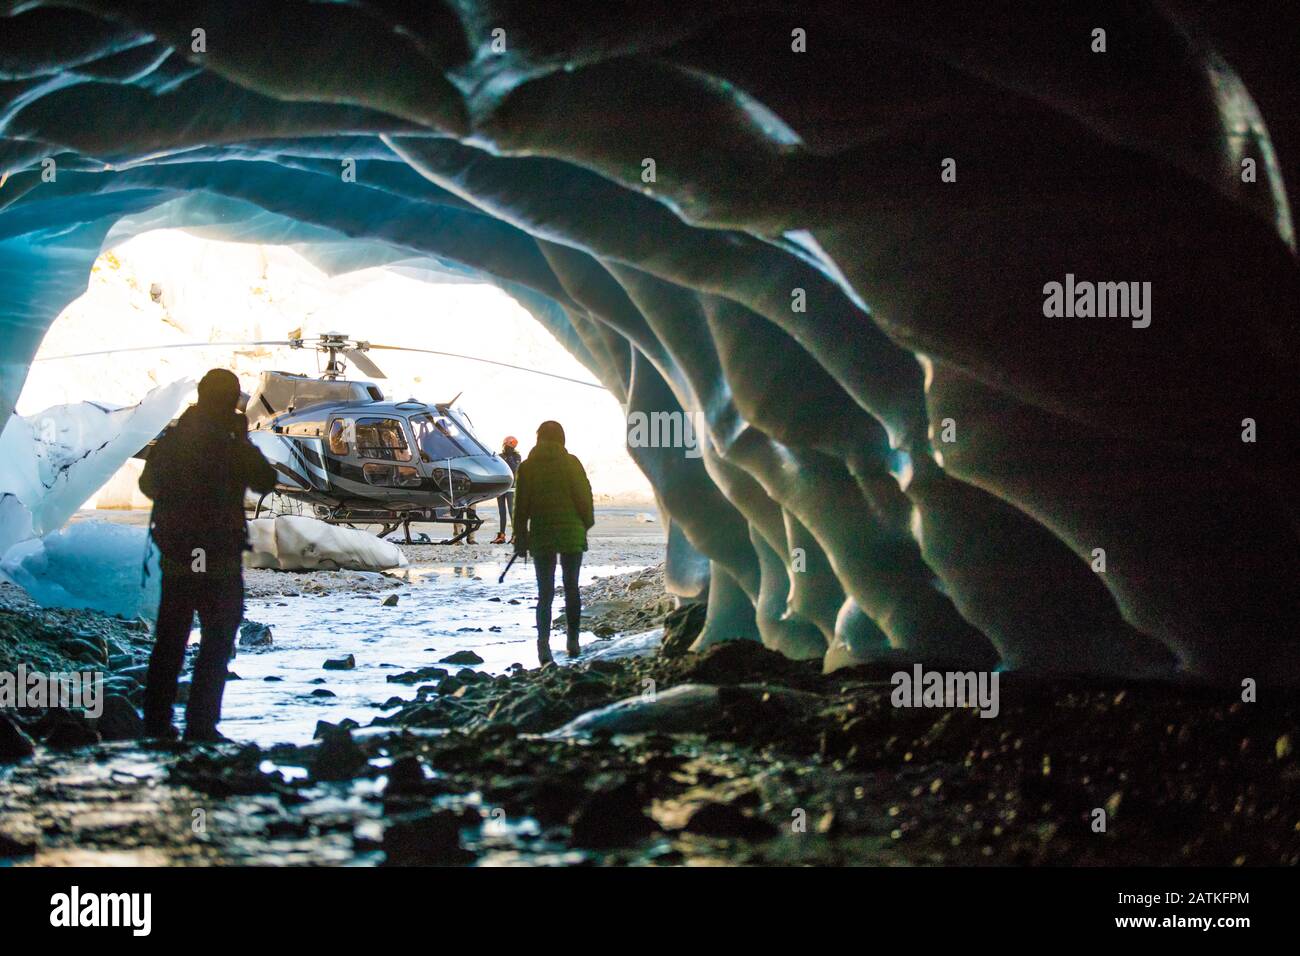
(390, 521)
(470, 526)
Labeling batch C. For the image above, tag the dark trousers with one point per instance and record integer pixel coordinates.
(219, 602)
(570, 565)
(505, 505)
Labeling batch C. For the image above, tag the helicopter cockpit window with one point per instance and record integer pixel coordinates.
(439, 437)
(382, 438)
(471, 444)
(338, 437)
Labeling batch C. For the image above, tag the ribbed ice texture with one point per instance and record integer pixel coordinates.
(827, 515)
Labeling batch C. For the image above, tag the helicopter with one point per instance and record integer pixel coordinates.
(353, 457)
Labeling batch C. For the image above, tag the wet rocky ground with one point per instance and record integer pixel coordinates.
(733, 756)
(623, 603)
(639, 752)
(261, 583)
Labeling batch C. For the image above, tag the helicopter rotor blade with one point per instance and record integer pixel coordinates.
(294, 343)
(475, 358)
(364, 363)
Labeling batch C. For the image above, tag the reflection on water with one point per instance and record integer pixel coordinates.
(442, 608)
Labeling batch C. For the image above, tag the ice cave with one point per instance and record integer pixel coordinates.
(950, 350)
(823, 233)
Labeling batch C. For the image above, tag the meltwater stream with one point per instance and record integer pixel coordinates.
(442, 607)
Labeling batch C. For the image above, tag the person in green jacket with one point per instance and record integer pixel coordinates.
(553, 510)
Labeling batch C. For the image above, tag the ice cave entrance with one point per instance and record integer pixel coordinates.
(168, 287)
(80, 420)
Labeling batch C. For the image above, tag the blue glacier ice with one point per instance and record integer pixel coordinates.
(90, 564)
(719, 223)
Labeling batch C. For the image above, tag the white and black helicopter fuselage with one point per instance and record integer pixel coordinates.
(354, 458)
(347, 455)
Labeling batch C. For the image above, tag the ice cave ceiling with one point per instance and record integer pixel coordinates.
(905, 459)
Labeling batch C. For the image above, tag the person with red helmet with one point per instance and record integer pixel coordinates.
(506, 502)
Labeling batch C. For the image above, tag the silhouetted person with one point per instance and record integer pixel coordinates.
(506, 501)
(196, 475)
(553, 510)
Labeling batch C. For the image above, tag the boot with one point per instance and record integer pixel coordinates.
(544, 652)
(573, 648)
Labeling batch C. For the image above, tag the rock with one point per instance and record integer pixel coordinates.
(449, 685)
(462, 657)
(322, 692)
(533, 712)
(338, 757)
(120, 686)
(390, 601)
(736, 662)
(425, 839)
(683, 709)
(405, 776)
(727, 820)
(324, 728)
(70, 734)
(417, 676)
(681, 628)
(139, 673)
(553, 800)
(13, 845)
(85, 648)
(253, 634)
(287, 827)
(340, 663)
(273, 678)
(120, 720)
(611, 818)
(15, 745)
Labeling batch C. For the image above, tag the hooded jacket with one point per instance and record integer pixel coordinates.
(196, 475)
(553, 505)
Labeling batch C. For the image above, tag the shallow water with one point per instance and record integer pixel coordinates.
(442, 608)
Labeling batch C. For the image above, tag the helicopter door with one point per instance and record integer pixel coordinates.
(385, 453)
